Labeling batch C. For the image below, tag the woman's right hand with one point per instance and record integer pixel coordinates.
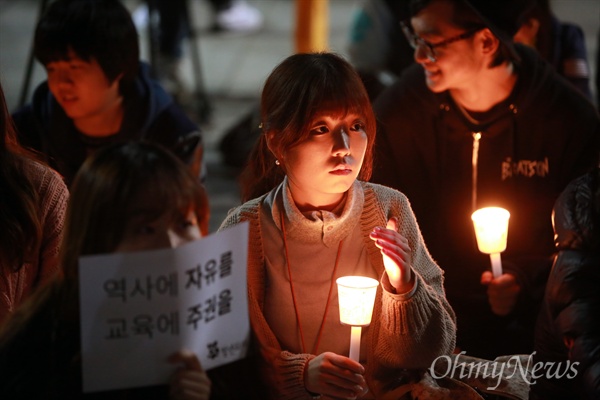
(336, 376)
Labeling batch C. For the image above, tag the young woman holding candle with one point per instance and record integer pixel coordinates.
(313, 219)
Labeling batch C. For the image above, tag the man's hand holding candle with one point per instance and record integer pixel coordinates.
(502, 292)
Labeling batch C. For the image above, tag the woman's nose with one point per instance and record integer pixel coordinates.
(174, 239)
(342, 143)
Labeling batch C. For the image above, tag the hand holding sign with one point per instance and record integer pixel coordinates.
(137, 308)
(190, 381)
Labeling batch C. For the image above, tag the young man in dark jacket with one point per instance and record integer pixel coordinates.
(567, 336)
(479, 121)
(98, 92)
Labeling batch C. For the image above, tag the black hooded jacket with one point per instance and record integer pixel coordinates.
(531, 146)
(568, 328)
(149, 114)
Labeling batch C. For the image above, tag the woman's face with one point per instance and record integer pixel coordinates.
(323, 167)
(146, 230)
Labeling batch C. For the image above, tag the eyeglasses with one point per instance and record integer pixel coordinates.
(417, 41)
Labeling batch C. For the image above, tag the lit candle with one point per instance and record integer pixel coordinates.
(356, 296)
(491, 229)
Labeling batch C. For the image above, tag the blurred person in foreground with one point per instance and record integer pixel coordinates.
(125, 198)
(33, 202)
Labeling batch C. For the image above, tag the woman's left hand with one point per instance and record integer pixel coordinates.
(189, 382)
(396, 255)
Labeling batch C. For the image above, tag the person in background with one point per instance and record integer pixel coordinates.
(380, 52)
(311, 221)
(377, 48)
(235, 16)
(97, 91)
(568, 331)
(126, 197)
(598, 71)
(562, 44)
(481, 121)
(33, 201)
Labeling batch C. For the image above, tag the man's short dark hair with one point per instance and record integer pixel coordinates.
(94, 29)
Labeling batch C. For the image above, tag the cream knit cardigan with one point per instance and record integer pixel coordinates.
(407, 332)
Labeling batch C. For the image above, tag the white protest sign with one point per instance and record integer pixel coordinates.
(138, 308)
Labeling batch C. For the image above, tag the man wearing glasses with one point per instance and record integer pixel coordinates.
(480, 121)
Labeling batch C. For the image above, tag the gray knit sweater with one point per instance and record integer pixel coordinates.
(406, 331)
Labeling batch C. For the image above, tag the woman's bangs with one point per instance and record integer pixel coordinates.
(342, 98)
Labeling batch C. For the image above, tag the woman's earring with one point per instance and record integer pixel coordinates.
(277, 162)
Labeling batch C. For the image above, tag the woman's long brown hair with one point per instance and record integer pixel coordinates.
(20, 225)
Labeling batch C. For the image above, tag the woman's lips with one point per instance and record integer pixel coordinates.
(341, 171)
